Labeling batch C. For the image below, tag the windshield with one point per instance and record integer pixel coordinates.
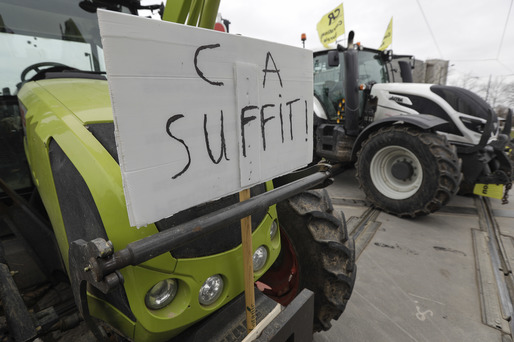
(329, 81)
(371, 68)
(46, 31)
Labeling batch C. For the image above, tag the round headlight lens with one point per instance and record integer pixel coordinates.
(211, 290)
(161, 294)
(259, 258)
(273, 230)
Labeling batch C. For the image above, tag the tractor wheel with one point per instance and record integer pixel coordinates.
(316, 254)
(408, 172)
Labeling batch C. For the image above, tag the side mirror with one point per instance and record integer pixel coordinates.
(333, 58)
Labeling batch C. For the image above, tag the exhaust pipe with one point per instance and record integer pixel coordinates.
(351, 89)
(405, 72)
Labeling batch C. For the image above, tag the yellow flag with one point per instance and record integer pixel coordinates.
(388, 36)
(331, 26)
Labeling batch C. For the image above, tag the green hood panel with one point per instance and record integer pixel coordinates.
(88, 99)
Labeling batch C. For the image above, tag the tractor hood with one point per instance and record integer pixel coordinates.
(433, 99)
(88, 99)
(470, 120)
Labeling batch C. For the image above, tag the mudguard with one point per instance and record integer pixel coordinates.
(423, 121)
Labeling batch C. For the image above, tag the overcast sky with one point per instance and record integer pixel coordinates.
(476, 36)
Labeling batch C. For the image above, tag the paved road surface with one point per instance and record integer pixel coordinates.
(432, 278)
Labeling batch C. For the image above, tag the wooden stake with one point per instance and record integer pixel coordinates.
(246, 236)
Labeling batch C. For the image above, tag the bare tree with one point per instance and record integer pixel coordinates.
(508, 94)
(497, 91)
(493, 90)
(469, 82)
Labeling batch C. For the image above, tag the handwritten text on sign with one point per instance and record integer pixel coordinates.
(201, 114)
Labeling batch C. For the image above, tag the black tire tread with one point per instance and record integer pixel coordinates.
(325, 254)
(448, 170)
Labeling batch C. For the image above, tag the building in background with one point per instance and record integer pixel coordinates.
(430, 71)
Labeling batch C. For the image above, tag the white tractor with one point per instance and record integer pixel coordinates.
(414, 145)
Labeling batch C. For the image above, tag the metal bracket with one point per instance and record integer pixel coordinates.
(83, 261)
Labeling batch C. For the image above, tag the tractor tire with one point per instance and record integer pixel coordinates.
(408, 172)
(324, 253)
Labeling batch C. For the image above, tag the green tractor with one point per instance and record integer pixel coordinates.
(68, 253)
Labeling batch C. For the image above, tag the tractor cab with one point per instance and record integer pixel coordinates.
(329, 77)
(39, 39)
(44, 40)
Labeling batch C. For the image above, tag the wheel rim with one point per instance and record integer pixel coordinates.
(281, 282)
(387, 180)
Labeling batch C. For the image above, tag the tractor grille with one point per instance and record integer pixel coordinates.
(220, 241)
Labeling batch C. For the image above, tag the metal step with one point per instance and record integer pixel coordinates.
(362, 229)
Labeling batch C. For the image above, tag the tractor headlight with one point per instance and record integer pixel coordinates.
(273, 230)
(211, 290)
(259, 258)
(161, 294)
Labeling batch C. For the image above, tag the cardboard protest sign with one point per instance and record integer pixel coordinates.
(201, 114)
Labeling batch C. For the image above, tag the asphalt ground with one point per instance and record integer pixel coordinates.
(432, 278)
